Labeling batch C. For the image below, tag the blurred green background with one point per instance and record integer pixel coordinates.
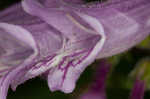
(119, 83)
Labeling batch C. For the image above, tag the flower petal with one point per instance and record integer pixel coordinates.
(48, 40)
(65, 80)
(67, 24)
(22, 35)
(125, 22)
(131, 27)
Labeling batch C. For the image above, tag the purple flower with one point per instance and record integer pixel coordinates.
(61, 38)
(98, 88)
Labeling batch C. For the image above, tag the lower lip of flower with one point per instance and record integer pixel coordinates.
(69, 55)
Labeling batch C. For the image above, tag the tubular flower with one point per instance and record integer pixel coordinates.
(60, 38)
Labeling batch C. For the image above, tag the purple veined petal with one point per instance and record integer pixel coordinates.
(77, 30)
(138, 90)
(43, 66)
(68, 66)
(130, 19)
(16, 33)
(111, 29)
(47, 42)
(65, 79)
(68, 24)
(24, 35)
(42, 47)
(97, 89)
(131, 16)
